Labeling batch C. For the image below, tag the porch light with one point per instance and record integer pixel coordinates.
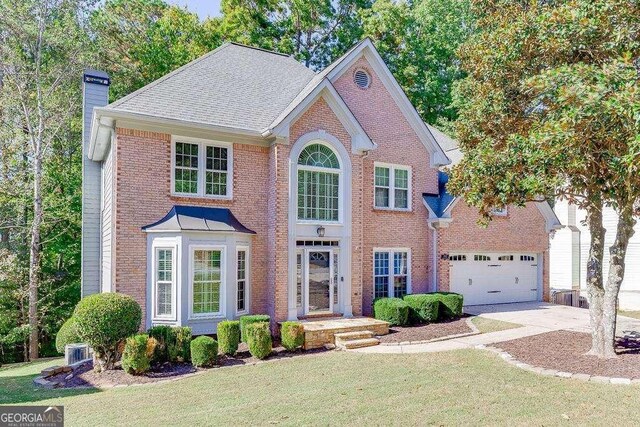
(320, 231)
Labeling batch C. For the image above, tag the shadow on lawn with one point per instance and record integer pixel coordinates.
(21, 389)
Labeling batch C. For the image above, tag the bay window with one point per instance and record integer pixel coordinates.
(164, 283)
(206, 282)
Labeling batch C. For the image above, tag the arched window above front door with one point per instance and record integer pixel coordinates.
(318, 184)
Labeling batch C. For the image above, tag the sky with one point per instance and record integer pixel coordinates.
(203, 8)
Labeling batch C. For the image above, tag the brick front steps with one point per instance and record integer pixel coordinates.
(318, 333)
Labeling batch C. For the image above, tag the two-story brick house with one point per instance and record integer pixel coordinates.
(245, 182)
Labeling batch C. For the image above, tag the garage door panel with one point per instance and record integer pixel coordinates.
(490, 278)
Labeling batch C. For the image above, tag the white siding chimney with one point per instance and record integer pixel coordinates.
(95, 92)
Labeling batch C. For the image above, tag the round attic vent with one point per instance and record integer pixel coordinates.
(362, 79)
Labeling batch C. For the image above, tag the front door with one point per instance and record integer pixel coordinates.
(319, 287)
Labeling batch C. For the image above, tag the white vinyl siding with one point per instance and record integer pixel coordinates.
(392, 187)
(391, 273)
(201, 168)
(107, 223)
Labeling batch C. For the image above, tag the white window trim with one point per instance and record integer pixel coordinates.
(154, 251)
(247, 280)
(340, 174)
(223, 282)
(202, 144)
(392, 194)
(391, 251)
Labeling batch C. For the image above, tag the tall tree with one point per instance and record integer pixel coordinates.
(550, 109)
(41, 49)
(418, 41)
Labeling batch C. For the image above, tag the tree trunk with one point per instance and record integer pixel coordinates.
(595, 287)
(618, 252)
(34, 256)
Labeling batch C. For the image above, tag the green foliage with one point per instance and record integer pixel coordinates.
(179, 349)
(165, 336)
(423, 308)
(67, 334)
(258, 338)
(392, 310)
(248, 319)
(103, 320)
(135, 358)
(450, 304)
(292, 335)
(204, 351)
(229, 336)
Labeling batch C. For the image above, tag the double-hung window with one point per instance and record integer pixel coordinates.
(392, 187)
(207, 282)
(164, 283)
(391, 273)
(201, 168)
(242, 280)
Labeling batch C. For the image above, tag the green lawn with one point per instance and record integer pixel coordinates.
(634, 314)
(465, 387)
(486, 325)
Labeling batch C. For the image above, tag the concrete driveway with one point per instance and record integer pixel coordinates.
(547, 316)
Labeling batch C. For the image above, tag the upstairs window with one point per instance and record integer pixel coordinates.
(392, 187)
(318, 184)
(201, 169)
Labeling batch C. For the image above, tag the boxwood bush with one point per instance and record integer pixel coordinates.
(68, 334)
(258, 338)
(450, 304)
(392, 310)
(229, 336)
(103, 321)
(423, 308)
(292, 335)
(248, 319)
(164, 336)
(135, 358)
(204, 351)
(179, 350)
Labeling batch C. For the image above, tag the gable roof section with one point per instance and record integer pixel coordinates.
(233, 86)
(439, 204)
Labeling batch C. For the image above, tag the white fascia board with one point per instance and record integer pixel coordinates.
(107, 117)
(366, 48)
(551, 219)
(360, 141)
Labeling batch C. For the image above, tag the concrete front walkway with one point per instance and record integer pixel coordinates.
(535, 318)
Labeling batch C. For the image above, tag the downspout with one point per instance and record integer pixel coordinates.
(434, 257)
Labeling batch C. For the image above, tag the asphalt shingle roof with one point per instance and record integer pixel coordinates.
(439, 203)
(233, 86)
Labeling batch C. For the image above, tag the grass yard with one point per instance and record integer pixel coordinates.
(634, 314)
(486, 325)
(465, 387)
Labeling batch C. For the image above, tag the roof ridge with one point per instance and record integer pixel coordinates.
(261, 48)
(166, 76)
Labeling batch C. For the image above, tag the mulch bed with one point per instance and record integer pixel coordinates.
(565, 351)
(85, 376)
(398, 334)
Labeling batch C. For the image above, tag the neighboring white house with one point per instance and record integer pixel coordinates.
(570, 251)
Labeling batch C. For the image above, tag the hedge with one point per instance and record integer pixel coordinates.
(180, 349)
(136, 355)
(165, 336)
(103, 321)
(450, 304)
(251, 318)
(204, 351)
(258, 338)
(67, 334)
(229, 336)
(392, 310)
(292, 335)
(423, 308)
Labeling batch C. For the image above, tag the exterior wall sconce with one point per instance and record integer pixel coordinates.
(320, 231)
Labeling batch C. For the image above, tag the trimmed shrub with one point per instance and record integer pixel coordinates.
(423, 308)
(204, 351)
(251, 318)
(229, 336)
(258, 338)
(68, 334)
(104, 320)
(292, 335)
(135, 358)
(164, 335)
(450, 304)
(392, 310)
(179, 350)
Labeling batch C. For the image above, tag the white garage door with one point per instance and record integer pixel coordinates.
(493, 278)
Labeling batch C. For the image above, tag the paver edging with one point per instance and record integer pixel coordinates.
(507, 357)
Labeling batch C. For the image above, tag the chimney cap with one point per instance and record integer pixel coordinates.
(96, 77)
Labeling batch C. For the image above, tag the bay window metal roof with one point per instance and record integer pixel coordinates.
(197, 218)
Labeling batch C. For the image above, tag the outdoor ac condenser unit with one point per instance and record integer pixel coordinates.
(74, 353)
